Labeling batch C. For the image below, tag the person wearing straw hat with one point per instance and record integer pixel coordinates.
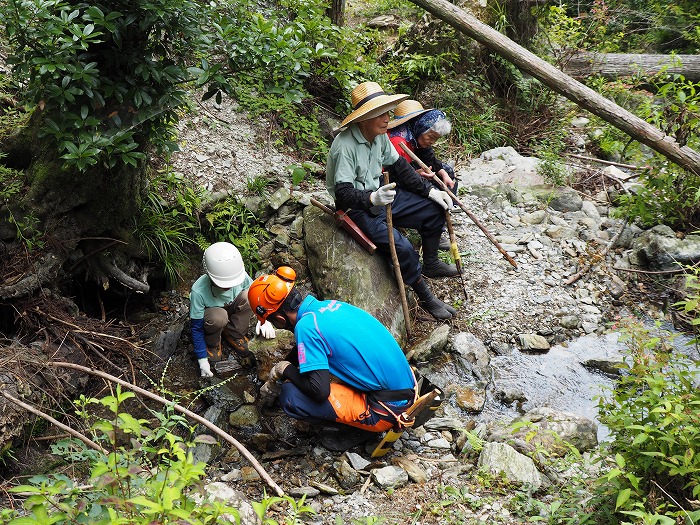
(356, 159)
(419, 128)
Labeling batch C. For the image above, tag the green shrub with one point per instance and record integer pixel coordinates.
(477, 122)
(231, 221)
(106, 81)
(653, 415)
(149, 478)
(667, 194)
(282, 64)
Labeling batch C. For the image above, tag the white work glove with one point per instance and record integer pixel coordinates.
(384, 195)
(204, 367)
(441, 197)
(265, 329)
(269, 392)
(277, 370)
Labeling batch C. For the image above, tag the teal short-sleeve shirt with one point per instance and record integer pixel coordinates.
(352, 158)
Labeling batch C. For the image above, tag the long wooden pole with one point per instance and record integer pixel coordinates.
(397, 266)
(476, 221)
(199, 419)
(563, 84)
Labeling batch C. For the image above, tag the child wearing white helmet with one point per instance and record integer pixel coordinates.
(219, 308)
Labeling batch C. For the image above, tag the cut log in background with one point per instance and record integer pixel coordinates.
(615, 65)
(563, 84)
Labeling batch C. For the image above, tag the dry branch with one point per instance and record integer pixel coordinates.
(60, 425)
(199, 419)
(597, 257)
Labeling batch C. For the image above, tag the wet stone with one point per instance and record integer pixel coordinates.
(309, 492)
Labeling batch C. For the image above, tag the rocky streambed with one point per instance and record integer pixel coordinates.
(532, 341)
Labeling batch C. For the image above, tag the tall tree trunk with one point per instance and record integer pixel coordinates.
(337, 14)
(79, 213)
(563, 84)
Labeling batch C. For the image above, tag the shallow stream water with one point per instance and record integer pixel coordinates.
(561, 378)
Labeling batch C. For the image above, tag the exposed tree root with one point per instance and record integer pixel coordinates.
(25, 282)
(111, 269)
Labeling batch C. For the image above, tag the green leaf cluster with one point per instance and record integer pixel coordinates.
(230, 221)
(281, 63)
(147, 475)
(106, 76)
(653, 415)
(175, 219)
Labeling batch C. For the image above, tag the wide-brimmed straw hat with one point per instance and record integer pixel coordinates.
(405, 111)
(368, 101)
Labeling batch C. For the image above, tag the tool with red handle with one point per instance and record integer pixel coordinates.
(346, 223)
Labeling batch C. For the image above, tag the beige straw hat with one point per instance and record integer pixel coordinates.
(405, 111)
(369, 101)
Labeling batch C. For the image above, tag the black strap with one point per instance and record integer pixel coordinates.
(368, 98)
(405, 394)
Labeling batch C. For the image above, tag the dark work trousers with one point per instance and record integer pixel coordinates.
(344, 405)
(234, 318)
(408, 211)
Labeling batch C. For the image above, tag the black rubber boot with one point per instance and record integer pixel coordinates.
(429, 302)
(432, 265)
(445, 243)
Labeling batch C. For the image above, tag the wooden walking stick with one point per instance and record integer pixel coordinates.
(476, 221)
(455, 252)
(397, 266)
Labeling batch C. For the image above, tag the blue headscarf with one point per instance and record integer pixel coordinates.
(414, 128)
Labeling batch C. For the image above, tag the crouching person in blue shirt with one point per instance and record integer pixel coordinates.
(351, 370)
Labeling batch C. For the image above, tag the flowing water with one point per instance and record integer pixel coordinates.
(566, 378)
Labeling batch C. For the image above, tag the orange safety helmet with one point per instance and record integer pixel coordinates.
(268, 292)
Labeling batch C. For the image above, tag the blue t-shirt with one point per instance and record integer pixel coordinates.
(351, 344)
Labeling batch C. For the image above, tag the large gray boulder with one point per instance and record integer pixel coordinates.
(660, 249)
(341, 269)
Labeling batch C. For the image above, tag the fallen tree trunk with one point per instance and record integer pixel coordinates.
(563, 84)
(614, 65)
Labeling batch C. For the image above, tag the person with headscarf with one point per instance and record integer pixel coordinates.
(357, 157)
(419, 128)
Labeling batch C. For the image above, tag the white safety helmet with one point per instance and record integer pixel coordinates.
(223, 263)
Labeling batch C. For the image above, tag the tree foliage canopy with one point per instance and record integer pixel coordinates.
(104, 74)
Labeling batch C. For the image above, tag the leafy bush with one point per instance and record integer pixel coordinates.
(232, 222)
(667, 195)
(653, 415)
(281, 64)
(477, 122)
(105, 80)
(149, 478)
